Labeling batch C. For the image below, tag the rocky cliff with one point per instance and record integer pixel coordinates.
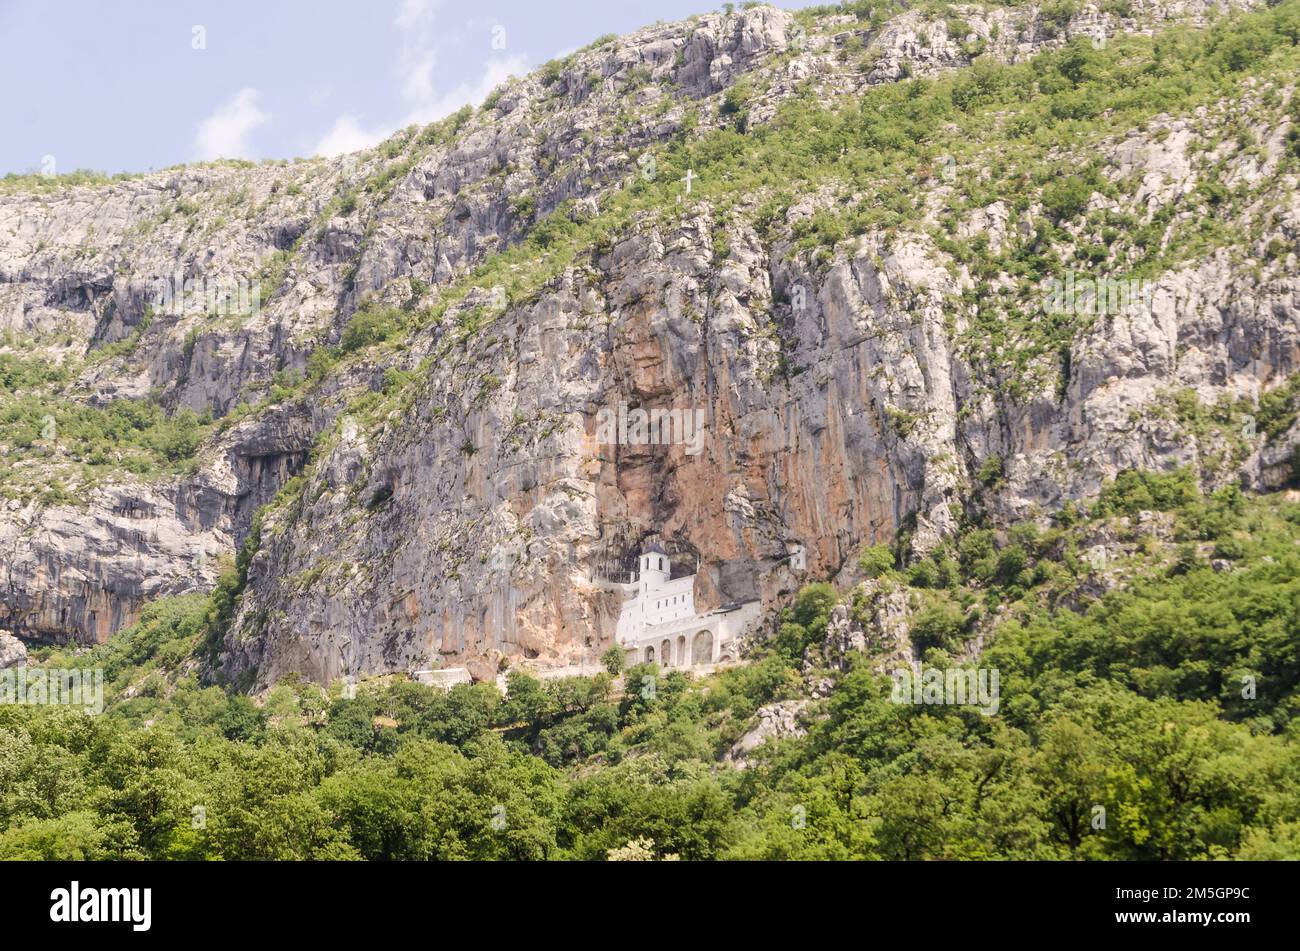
(385, 376)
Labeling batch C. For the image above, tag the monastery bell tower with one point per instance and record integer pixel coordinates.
(656, 568)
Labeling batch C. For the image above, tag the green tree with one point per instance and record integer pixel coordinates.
(614, 660)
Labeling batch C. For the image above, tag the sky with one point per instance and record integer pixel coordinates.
(145, 84)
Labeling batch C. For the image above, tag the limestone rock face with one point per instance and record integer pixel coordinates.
(446, 498)
(13, 652)
(776, 721)
(879, 627)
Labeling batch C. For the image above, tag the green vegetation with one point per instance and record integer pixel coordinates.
(369, 327)
(61, 440)
(39, 182)
(1159, 681)
(1025, 134)
(876, 561)
(1132, 701)
(19, 373)
(1278, 408)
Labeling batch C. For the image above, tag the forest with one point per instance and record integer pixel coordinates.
(1154, 719)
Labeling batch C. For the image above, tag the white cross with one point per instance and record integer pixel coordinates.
(690, 174)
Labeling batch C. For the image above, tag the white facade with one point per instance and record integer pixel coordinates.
(658, 622)
(443, 677)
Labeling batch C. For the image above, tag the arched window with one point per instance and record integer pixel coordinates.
(661, 563)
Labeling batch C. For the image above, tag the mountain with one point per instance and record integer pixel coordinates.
(918, 268)
(980, 324)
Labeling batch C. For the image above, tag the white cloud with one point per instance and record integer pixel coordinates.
(414, 15)
(224, 134)
(495, 72)
(423, 102)
(417, 76)
(347, 135)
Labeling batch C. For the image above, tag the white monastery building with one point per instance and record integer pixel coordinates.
(658, 622)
